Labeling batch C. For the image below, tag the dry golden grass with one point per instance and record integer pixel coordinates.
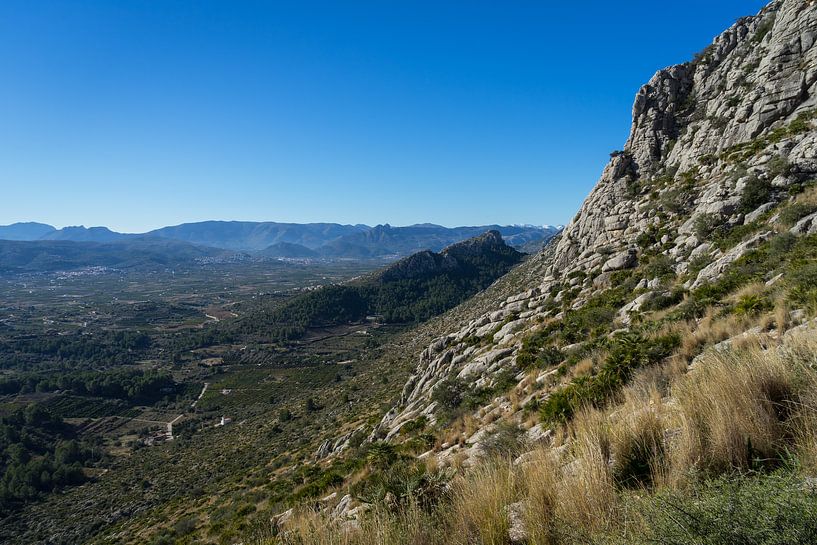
(753, 288)
(458, 431)
(707, 331)
(729, 411)
(583, 368)
(782, 316)
(542, 476)
(477, 513)
(587, 493)
(736, 409)
(809, 196)
(651, 384)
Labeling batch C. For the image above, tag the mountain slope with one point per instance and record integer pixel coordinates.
(716, 147)
(250, 235)
(288, 250)
(25, 231)
(695, 253)
(413, 289)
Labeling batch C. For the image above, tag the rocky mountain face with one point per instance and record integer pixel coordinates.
(717, 148)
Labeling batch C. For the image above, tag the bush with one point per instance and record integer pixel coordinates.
(418, 424)
(704, 225)
(448, 393)
(627, 352)
(660, 266)
(767, 510)
(381, 455)
(752, 304)
(757, 191)
(664, 300)
(792, 214)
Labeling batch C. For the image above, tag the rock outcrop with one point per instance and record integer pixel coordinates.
(705, 136)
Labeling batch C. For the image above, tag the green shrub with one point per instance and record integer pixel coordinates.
(704, 225)
(627, 352)
(756, 192)
(449, 393)
(381, 455)
(660, 266)
(760, 510)
(418, 424)
(752, 304)
(675, 200)
(664, 300)
(534, 353)
(323, 482)
(795, 212)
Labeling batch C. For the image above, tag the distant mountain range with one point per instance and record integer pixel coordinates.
(281, 240)
(25, 231)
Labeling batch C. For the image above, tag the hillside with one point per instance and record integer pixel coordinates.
(653, 356)
(24, 231)
(411, 290)
(648, 377)
(250, 235)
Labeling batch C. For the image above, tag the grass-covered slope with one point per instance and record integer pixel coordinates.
(723, 453)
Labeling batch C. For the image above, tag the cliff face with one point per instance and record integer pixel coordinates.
(755, 77)
(705, 136)
(740, 115)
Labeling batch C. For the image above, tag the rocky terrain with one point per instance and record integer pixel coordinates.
(703, 134)
(717, 177)
(649, 376)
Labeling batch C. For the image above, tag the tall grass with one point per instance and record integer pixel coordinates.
(746, 411)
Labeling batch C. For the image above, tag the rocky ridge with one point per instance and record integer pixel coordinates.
(705, 135)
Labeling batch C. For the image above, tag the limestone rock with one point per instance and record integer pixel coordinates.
(759, 211)
(806, 226)
(692, 124)
(623, 260)
(517, 530)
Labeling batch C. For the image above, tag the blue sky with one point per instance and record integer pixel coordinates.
(138, 114)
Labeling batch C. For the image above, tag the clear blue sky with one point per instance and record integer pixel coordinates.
(138, 114)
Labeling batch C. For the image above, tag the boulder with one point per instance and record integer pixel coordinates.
(757, 212)
(806, 226)
(623, 260)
